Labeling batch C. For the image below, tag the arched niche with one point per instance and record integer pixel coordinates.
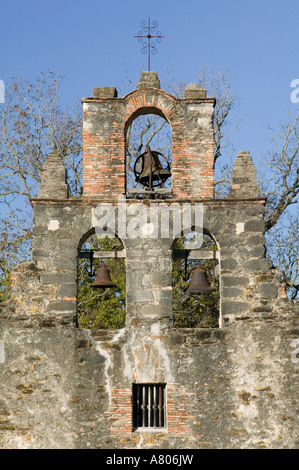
(147, 126)
(197, 310)
(97, 307)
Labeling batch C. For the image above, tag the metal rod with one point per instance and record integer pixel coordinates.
(149, 47)
(196, 254)
(146, 191)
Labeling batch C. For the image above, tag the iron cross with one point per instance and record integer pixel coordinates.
(149, 47)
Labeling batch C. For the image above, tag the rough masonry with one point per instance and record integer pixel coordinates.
(235, 386)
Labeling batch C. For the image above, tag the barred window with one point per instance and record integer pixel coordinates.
(149, 406)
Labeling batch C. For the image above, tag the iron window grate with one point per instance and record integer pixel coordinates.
(149, 406)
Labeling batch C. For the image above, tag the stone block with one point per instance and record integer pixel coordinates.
(163, 296)
(229, 264)
(231, 292)
(229, 308)
(229, 241)
(65, 264)
(257, 239)
(254, 226)
(40, 253)
(149, 80)
(256, 265)
(235, 281)
(244, 182)
(105, 92)
(53, 178)
(161, 279)
(193, 91)
(57, 278)
(258, 251)
(40, 230)
(155, 311)
(67, 290)
(203, 334)
(62, 306)
(269, 290)
(140, 295)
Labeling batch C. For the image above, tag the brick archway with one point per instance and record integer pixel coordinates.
(105, 123)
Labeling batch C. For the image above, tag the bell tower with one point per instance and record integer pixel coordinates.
(148, 256)
(106, 118)
(150, 383)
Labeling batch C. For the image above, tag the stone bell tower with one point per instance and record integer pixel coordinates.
(106, 120)
(107, 117)
(148, 384)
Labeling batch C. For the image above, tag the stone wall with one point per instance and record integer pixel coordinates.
(229, 387)
(234, 387)
(248, 281)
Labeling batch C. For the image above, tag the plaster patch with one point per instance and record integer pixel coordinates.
(127, 368)
(2, 352)
(204, 121)
(53, 225)
(106, 355)
(156, 330)
(148, 230)
(240, 227)
(194, 107)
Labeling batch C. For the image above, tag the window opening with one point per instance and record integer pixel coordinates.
(149, 406)
(148, 134)
(101, 308)
(199, 310)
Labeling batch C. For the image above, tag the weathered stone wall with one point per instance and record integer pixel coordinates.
(234, 387)
(247, 281)
(229, 387)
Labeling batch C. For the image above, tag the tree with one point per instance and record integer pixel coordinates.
(282, 247)
(32, 124)
(280, 184)
(278, 177)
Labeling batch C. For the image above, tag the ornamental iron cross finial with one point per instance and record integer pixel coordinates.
(149, 46)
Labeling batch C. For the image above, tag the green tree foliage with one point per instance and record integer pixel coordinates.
(194, 310)
(5, 283)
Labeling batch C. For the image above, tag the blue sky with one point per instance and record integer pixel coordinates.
(92, 42)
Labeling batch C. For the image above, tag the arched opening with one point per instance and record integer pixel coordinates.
(198, 308)
(101, 307)
(148, 131)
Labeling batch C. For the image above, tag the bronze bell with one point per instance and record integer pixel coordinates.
(152, 169)
(103, 279)
(199, 283)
